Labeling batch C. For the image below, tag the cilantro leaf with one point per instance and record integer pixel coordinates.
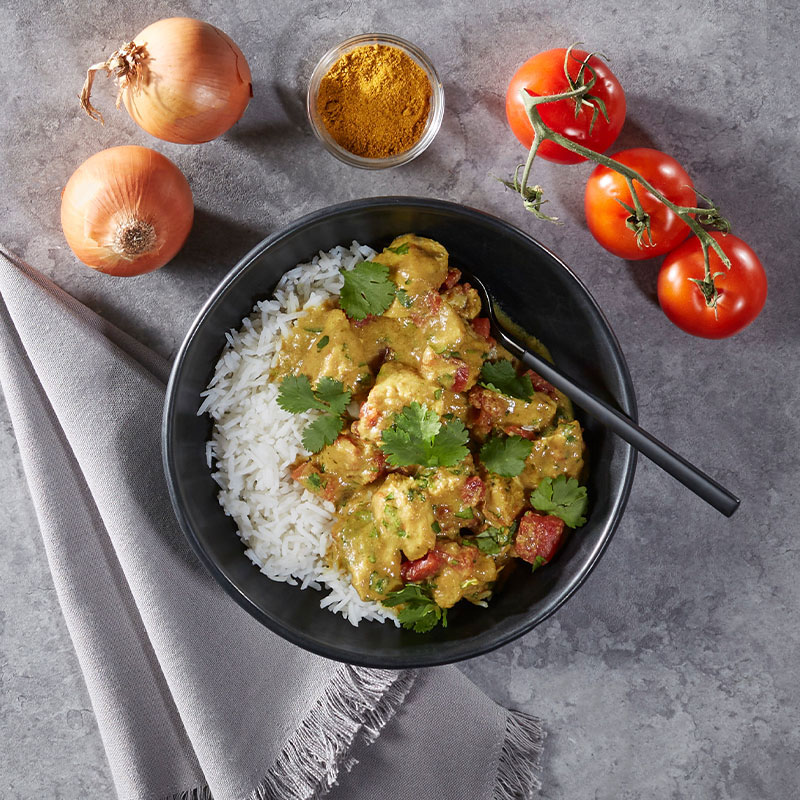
(400, 250)
(420, 612)
(418, 437)
(492, 540)
(505, 455)
(539, 561)
(487, 543)
(333, 394)
(366, 290)
(501, 376)
(499, 538)
(418, 420)
(562, 497)
(296, 395)
(399, 448)
(403, 298)
(450, 444)
(322, 431)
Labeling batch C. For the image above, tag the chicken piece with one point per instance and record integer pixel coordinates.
(558, 453)
(396, 387)
(464, 300)
(466, 573)
(496, 411)
(446, 331)
(322, 342)
(421, 269)
(454, 493)
(403, 514)
(352, 460)
(372, 560)
(449, 372)
(340, 468)
(503, 501)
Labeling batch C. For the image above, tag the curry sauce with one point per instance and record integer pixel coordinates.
(452, 530)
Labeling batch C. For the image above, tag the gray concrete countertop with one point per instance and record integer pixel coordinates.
(672, 673)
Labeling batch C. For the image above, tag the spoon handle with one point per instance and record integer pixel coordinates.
(687, 473)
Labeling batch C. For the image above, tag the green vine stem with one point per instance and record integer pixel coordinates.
(639, 221)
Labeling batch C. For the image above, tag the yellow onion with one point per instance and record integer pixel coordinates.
(126, 210)
(181, 79)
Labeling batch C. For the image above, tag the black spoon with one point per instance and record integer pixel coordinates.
(689, 475)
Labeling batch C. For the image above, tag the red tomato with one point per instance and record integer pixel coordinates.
(544, 74)
(606, 217)
(742, 289)
(423, 568)
(538, 537)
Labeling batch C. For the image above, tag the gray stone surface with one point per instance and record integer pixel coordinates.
(672, 673)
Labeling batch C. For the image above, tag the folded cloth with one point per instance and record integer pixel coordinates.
(192, 696)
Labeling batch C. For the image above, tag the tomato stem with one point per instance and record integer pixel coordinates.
(695, 217)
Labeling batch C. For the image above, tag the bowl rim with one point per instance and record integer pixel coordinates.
(627, 400)
(435, 113)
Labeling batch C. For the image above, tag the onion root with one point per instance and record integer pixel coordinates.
(133, 238)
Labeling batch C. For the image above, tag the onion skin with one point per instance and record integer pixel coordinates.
(126, 211)
(195, 84)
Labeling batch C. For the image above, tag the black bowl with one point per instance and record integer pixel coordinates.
(537, 291)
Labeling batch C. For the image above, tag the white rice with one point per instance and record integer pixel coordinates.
(254, 443)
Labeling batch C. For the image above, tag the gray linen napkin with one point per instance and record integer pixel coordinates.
(192, 696)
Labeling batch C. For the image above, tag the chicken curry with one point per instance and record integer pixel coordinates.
(446, 463)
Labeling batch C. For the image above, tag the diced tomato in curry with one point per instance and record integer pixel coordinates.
(422, 524)
(538, 537)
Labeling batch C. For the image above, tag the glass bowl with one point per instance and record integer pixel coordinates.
(434, 115)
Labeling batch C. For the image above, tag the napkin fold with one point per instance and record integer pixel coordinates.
(193, 698)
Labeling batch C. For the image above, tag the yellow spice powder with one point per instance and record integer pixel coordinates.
(375, 101)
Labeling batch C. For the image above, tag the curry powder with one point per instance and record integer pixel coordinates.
(375, 101)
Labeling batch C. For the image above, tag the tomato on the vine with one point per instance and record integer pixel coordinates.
(607, 218)
(741, 290)
(543, 74)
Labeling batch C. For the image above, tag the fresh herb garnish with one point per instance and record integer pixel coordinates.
(323, 342)
(562, 497)
(366, 290)
(333, 394)
(377, 582)
(500, 376)
(505, 455)
(420, 612)
(492, 540)
(400, 250)
(403, 298)
(315, 480)
(296, 396)
(417, 436)
(538, 562)
(321, 432)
